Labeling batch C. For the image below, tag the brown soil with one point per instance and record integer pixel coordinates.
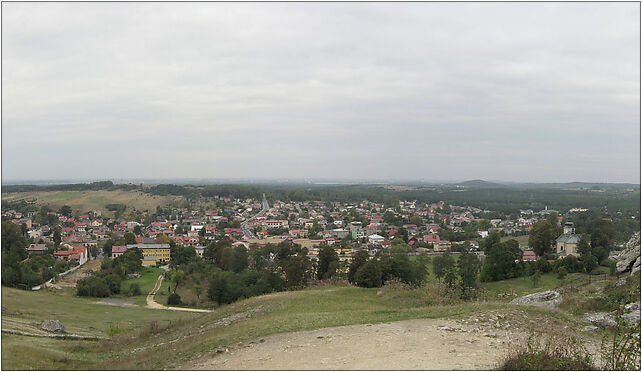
(407, 345)
(71, 279)
(476, 343)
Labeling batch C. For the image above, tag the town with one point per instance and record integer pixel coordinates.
(410, 227)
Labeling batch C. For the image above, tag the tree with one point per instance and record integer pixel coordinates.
(537, 275)
(327, 255)
(468, 267)
(56, 236)
(208, 252)
(65, 210)
(175, 277)
(138, 230)
(182, 256)
(297, 271)
(358, 260)
(369, 275)
(500, 262)
(441, 264)
(561, 273)
(492, 240)
(602, 233)
(553, 219)
(239, 259)
(583, 247)
(130, 238)
(416, 220)
(589, 262)
(198, 290)
(542, 237)
(450, 277)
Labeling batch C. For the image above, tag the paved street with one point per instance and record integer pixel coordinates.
(245, 225)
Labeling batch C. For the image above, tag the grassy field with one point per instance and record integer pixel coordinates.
(523, 240)
(179, 336)
(85, 201)
(24, 310)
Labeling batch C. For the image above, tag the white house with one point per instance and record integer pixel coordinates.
(375, 239)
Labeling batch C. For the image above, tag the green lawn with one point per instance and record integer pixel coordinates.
(522, 286)
(146, 282)
(79, 316)
(522, 239)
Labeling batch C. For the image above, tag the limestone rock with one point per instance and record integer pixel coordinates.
(549, 299)
(630, 256)
(636, 266)
(632, 313)
(53, 326)
(600, 319)
(633, 306)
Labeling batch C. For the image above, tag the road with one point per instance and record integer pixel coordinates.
(245, 225)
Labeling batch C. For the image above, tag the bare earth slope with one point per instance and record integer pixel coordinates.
(406, 345)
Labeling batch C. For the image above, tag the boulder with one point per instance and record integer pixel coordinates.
(630, 256)
(632, 313)
(600, 319)
(633, 306)
(636, 266)
(549, 299)
(53, 326)
(133, 276)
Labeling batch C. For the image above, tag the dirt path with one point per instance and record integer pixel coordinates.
(425, 344)
(155, 305)
(477, 342)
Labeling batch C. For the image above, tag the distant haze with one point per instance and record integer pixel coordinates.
(528, 92)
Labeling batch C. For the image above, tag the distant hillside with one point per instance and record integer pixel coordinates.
(480, 184)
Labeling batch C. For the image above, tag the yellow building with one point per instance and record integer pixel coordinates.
(567, 243)
(309, 225)
(153, 254)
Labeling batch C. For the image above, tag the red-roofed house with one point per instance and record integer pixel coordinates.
(432, 238)
(78, 253)
(118, 250)
(529, 256)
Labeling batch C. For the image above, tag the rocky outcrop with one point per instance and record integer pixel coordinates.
(549, 299)
(600, 319)
(629, 259)
(630, 315)
(53, 326)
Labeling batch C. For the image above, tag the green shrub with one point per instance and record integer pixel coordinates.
(555, 354)
(134, 289)
(621, 350)
(369, 275)
(174, 299)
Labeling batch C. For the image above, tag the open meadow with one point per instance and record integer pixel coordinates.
(94, 199)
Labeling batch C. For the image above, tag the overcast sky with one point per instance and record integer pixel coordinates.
(540, 92)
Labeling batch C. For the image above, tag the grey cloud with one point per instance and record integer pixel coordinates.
(411, 90)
